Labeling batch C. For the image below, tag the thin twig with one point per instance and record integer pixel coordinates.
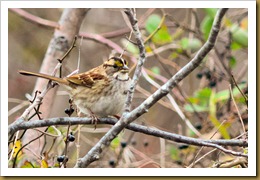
(48, 134)
(142, 57)
(129, 40)
(162, 152)
(239, 115)
(15, 158)
(172, 100)
(244, 96)
(174, 104)
(66, 146)
(147, 94)
(194, 162)
(15, 140)
(35, 19)
(123, 148)
(18, 107)
(78, 141)
(69, 50)
(156, 30)
(126, 118)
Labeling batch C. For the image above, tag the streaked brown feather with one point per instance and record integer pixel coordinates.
(86, 79)
(100, 90)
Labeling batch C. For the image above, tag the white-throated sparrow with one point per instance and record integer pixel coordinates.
(98, 92)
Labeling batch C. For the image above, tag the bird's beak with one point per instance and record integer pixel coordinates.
(125, 67)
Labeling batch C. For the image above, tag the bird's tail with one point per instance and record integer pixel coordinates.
(45, 76)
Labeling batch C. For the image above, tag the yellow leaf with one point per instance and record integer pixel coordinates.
(244, 24)
(44, 164)
(17, 147)
(148, 49)
(27, 164)
(212, 116)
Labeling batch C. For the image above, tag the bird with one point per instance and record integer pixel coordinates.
(99, 92)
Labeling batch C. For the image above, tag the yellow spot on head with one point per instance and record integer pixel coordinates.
(118, 63)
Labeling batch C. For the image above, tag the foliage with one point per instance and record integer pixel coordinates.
(204, 99)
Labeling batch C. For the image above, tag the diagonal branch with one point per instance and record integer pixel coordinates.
(128, 117)
(187, 69)
(94, 153)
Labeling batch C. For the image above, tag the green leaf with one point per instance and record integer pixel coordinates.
(174, 153)
(191, 133)
(212, 104)
(232, 62)
(152, 23)
(51, 130)
(155, 70)
(241, 100)
(195, 44)
(184, 43)
(211, 12)
(199, 101)
(130, 47)
(179, 50)
(174, 55)
(235, 46)
(193, 100)
(27, 164)
(162, 36)
(190, 44)
(195, 107)
(206, 25)
(239, 35)
(203, 95)
(224, 95)
(222, 129)
(177, 34)
(115, 143)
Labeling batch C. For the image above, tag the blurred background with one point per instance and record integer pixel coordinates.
(182, 33)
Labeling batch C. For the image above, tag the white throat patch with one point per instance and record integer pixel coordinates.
(121, 76)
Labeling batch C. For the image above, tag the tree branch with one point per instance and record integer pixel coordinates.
(70, 23)
(94, 153)
(187, 69)
(35, 19)
(128, 117)
(14, 127)
(142, 57)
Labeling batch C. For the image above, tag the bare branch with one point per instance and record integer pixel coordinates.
(35, 19)
(128, 116)
(134, 127)
(187, 69)
(238, 112)
(142, 57)
(56, 49)
(94, 153)
(70, 23)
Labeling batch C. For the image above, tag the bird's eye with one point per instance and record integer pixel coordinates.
(115, 66)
